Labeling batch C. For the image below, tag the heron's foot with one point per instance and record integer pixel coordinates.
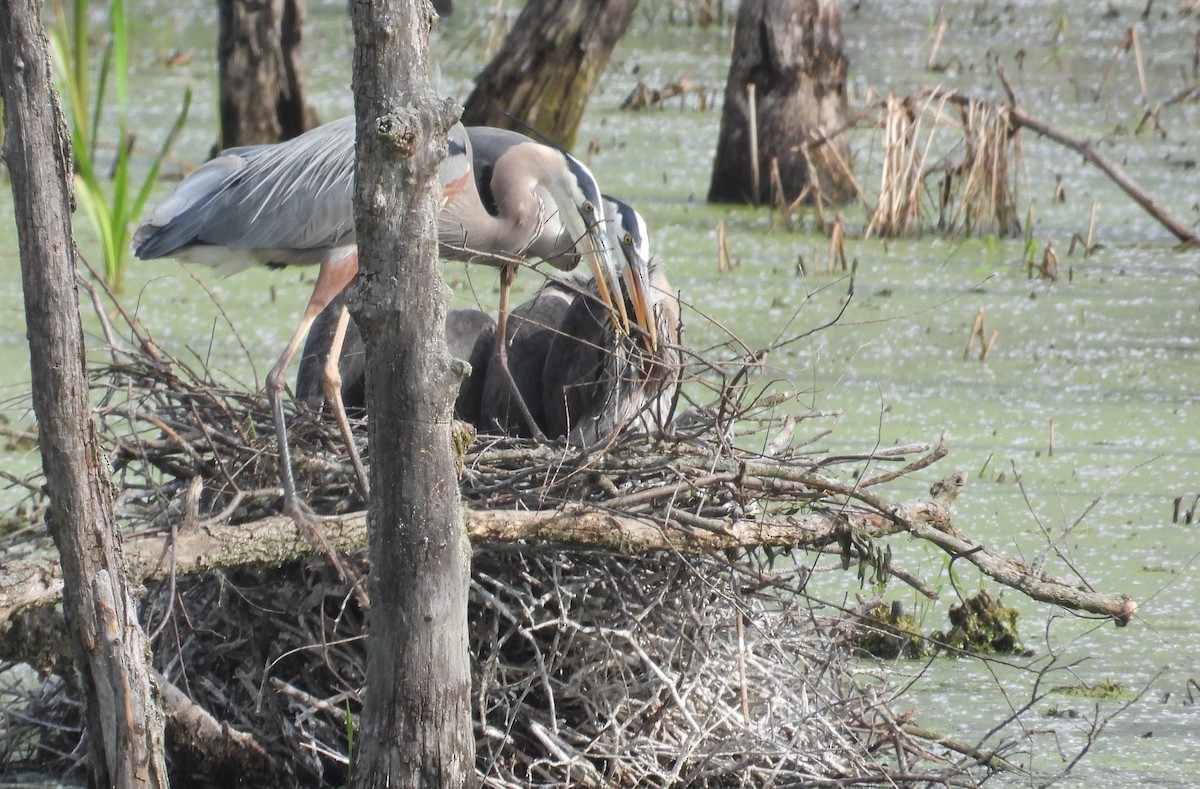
(308, 523)
(297, 508)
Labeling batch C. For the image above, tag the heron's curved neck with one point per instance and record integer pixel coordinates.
(524, 185)
(527, 221)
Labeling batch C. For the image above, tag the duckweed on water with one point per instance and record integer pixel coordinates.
(1108, 690)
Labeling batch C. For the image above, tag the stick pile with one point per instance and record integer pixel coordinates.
(691, 655)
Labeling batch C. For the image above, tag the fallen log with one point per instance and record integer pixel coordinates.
(28, 587)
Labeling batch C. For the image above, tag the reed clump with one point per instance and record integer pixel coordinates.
(950, 156)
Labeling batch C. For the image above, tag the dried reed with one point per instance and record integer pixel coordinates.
(978, 158)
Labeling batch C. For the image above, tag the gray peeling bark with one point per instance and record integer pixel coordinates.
(548, 67)
(258, 56)
(790, 51)
(30, 627)
(124, 715)
(416, 724)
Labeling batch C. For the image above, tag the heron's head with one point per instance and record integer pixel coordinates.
(455, 171)
(627, 230)
(588, 224)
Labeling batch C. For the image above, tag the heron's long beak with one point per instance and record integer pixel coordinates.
(637, 284)
(607, 282)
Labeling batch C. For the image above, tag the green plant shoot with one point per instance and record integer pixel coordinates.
(111, 210)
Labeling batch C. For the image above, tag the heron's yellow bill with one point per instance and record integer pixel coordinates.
(638, 286)
(606, 283)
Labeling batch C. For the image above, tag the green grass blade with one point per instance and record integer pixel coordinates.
(94, 205)
(167, 145)
(118, 24)
(101, 90)
(79, 45)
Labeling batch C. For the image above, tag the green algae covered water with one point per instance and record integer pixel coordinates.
(1104, 362)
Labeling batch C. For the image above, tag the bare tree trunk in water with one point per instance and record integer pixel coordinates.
(124, 713)
(790, 51)
(548, 66)
(416, 721)
(258, 54)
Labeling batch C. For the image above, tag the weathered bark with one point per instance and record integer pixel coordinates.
(790, 51)
(29, 589)
(124, 715)
(544, 74)
(258, 56)
(416, 724)
(205, 752)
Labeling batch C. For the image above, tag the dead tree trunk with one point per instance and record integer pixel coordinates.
(551, 61)
(124, 714)
(416, 723)
(262, 97)
(788, 64)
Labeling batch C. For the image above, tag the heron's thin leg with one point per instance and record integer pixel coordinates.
(332, 279)
(507, 274)
(275, 386)
(335, 274)
(332, 384)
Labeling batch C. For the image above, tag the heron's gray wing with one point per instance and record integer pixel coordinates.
(584, 374)
(292, 198)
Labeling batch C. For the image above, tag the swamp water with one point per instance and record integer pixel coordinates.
(1109, 354)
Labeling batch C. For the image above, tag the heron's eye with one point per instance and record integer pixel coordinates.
(628, 241)
(588, 207)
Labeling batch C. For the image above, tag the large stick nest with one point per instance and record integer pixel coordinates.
(591, 667)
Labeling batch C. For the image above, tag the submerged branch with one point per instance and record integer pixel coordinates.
(1090, 153)
(1019, 118)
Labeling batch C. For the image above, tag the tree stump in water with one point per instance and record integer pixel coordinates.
(258, 52)
(550, 62)
(788, 63)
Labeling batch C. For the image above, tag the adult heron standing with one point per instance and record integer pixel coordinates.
(291, 204)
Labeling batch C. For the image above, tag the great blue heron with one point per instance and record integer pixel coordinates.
(578, 376)
(470, 335)
(596, 383)
(290, 203)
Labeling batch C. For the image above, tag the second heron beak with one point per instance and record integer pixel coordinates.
(600, 255)
(637, 284)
